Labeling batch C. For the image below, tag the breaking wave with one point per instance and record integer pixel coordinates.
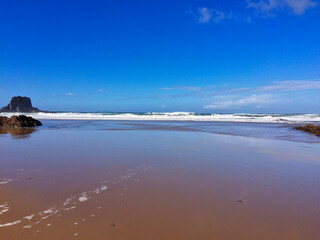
(176, 116)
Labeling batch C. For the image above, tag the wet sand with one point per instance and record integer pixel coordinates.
(80, 181)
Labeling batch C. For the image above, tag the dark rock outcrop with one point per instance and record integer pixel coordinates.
(19, 121)
(20, 104)
(310, 128)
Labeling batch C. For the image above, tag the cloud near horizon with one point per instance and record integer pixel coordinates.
(291, 85)
(276, 86)
(188, 88)
(235, 98)
(255, 100)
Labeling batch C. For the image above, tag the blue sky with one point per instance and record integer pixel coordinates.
(200, 56)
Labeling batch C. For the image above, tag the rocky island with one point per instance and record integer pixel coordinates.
(20, 104)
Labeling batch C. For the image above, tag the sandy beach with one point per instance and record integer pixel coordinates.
(160, 120)
(116, 180)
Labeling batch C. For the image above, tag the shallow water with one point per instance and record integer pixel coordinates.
(279, 131)
(129, 180)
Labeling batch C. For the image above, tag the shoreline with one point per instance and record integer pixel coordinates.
(177, 116)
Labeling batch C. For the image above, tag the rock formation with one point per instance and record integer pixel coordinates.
(310, 128)
(19, 121)
(20, 104)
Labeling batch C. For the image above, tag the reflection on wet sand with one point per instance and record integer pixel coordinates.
(136, 126)
(17, 133)
(191, 185)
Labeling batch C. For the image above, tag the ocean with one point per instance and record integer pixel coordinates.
(176, 116)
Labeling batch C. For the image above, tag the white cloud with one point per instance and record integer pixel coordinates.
(256, 101)
(184, 88)
(298, 7)
(167, 88)
(191, 89)
(264, 7)
(225, 94)
(207, 15)
(290, 86)
(188, 88)
(100, 90)
(276, 86)
(69, 94)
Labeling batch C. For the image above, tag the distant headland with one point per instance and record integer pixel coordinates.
(20, 104)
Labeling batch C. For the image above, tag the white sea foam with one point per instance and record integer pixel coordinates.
(100, 189)
(83, 197)
(4, 208)
(6, 181)
(67, 209)
(35, 219)
(68, 201)
(50, 210)
(96, 191)
(10, 224)
(27, 226)
(29, 217)
(177, 116)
